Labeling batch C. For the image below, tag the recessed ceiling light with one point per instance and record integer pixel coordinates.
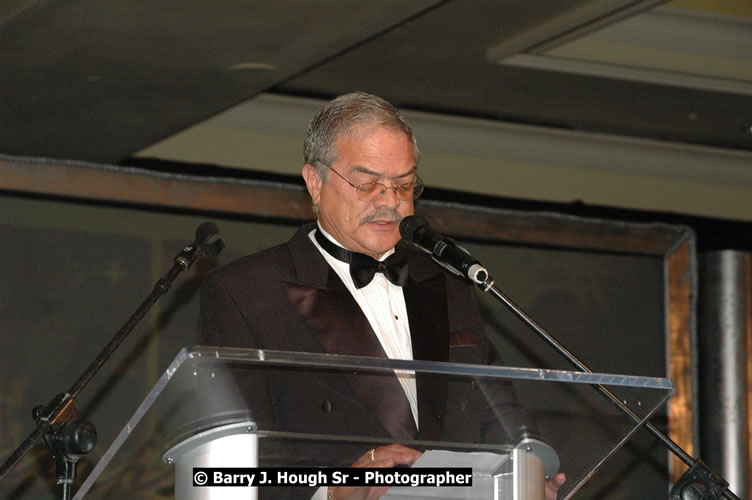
(255, 66)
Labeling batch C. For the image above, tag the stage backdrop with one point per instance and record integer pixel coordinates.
(77, 260)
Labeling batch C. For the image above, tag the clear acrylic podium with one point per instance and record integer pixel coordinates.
(246, 408)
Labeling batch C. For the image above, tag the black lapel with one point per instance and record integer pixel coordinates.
(426, 302)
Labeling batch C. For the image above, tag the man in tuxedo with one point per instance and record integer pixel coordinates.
(343, 285)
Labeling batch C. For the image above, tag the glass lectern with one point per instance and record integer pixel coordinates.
(250, 411)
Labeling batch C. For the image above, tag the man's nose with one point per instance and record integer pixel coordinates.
(388, 197)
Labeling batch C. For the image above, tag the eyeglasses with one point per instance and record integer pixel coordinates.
(369, 191)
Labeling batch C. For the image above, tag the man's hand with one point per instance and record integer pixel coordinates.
(396, 454)
(553, 485)
(384, 456)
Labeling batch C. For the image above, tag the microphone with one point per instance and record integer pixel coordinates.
(201, 246)
(445, 251)
(203, 233)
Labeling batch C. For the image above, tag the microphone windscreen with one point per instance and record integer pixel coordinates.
(409, 225)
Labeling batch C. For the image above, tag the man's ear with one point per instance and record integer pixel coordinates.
(313, 182)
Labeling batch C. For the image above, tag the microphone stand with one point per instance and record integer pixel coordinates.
(59, 422)
(700, 482)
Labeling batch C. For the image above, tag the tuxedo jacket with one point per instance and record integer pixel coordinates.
(288, 298)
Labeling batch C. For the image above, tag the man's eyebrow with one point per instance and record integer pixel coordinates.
(365, 170)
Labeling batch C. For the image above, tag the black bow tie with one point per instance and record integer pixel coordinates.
(363, 267)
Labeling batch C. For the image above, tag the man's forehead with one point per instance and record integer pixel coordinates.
(361, 132)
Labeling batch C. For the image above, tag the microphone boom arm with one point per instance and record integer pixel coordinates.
(699, 472)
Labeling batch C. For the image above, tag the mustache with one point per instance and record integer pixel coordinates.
(382, 214)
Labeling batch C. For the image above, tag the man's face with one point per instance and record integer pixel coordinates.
(367, 154)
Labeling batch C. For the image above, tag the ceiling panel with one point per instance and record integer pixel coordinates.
(99, 79)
